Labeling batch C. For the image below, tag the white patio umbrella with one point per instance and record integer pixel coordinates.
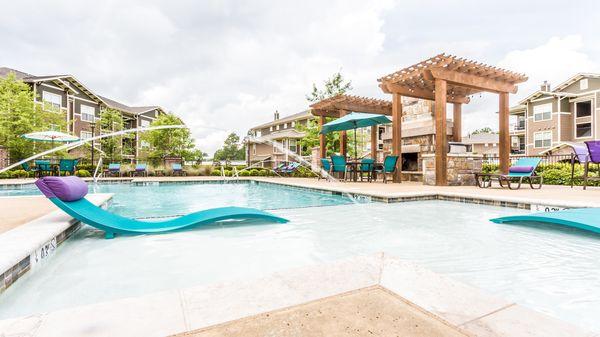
(50, 136)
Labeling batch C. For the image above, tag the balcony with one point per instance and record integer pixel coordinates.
(517, 128)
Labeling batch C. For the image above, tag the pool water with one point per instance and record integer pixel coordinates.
(555, 271)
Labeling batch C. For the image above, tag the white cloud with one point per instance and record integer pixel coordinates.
(555, 61)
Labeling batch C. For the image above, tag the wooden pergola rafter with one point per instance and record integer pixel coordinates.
(450, 79)
(339, 105)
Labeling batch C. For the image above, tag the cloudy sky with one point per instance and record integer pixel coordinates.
(228, 65)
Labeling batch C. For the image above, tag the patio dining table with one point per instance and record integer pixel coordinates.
(354, 166)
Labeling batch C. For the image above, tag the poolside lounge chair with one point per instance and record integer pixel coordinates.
(339, 167)
(67, 166)
(389, 167)
(140, 170)
(583, 218)
(178, 170)
(68, 194)
(593, 147)
(366, 166)
(522, 170)
(326, 166)
(290, 169)
(114, 169)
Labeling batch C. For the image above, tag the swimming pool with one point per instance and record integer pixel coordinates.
(555, 271)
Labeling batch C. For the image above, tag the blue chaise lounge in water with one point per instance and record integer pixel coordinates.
(583, 218)
(68, 194)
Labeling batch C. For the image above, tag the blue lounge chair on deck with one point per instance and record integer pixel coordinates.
(583, 218)
(522, 170)
(68, 194)
(113, 169)
(140, 169)
(178, 170)
(290, 169)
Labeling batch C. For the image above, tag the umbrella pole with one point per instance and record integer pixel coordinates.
(355, 152)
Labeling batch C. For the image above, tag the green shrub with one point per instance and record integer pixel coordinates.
(253, 172)
(5, 175)
(489, 168)
(19, 174)
(83, 173)
(244, 173)
(215, 172)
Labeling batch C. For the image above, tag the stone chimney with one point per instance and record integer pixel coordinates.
(545, 86)
(276, 115)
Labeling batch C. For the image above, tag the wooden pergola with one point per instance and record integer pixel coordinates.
(340, 105)
(449, 79)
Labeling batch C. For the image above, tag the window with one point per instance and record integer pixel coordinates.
(542, 112)
(285, 126)
(542, 139)
(52, 102)
(277, 126)
(583, 84)
(277, 146)
(87, 113)
(293, 145)
(584, 130)
(271, 128)
(583, 109)
(144, 123)
(293, 124)
(85, 135)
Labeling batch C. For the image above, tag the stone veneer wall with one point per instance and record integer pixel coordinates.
(461, 169)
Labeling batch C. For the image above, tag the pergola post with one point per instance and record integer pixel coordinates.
(322, 143)
(397, 134)
(374, 136)
(457, 122)
(504, 134)
(343, 137)
(441, 141)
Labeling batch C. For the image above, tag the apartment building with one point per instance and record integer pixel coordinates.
(82, 107)
(548, 117)
(265, 142)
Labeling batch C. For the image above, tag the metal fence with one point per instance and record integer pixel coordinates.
(546, 159)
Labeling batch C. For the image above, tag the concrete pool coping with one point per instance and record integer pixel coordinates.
(25, 245)
(181, 310)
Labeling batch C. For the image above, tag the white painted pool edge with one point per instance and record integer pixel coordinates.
(187, 309)
(24, 241)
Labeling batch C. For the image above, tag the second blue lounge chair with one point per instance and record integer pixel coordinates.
(522, 170)
(68, 194)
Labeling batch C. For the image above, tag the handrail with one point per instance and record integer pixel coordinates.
(97, 169)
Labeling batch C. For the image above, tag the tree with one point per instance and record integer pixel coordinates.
(483, 130)
(231, 150)
(19, 115)
(111, 121)
(171, 142)
(334, 86)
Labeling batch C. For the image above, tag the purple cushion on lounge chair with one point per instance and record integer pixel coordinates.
(520, 169)
(69, 188)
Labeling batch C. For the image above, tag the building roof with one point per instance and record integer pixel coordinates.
(69, 82)
(558, 90)
(291, 118)
(482, 138)
(134, 110)
(289, 133)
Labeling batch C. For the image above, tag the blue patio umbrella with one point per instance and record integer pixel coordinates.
(353, 121)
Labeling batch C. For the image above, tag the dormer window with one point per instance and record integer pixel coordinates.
(583, 84)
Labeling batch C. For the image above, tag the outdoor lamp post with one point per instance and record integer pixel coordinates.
(93, 126)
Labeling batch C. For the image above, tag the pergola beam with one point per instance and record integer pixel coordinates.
(392, 88)
(471, 81)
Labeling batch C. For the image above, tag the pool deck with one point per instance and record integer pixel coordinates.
(387, 293)
(345, 297)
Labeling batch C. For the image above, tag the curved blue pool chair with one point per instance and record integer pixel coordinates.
(68, 194)
(583, 218)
